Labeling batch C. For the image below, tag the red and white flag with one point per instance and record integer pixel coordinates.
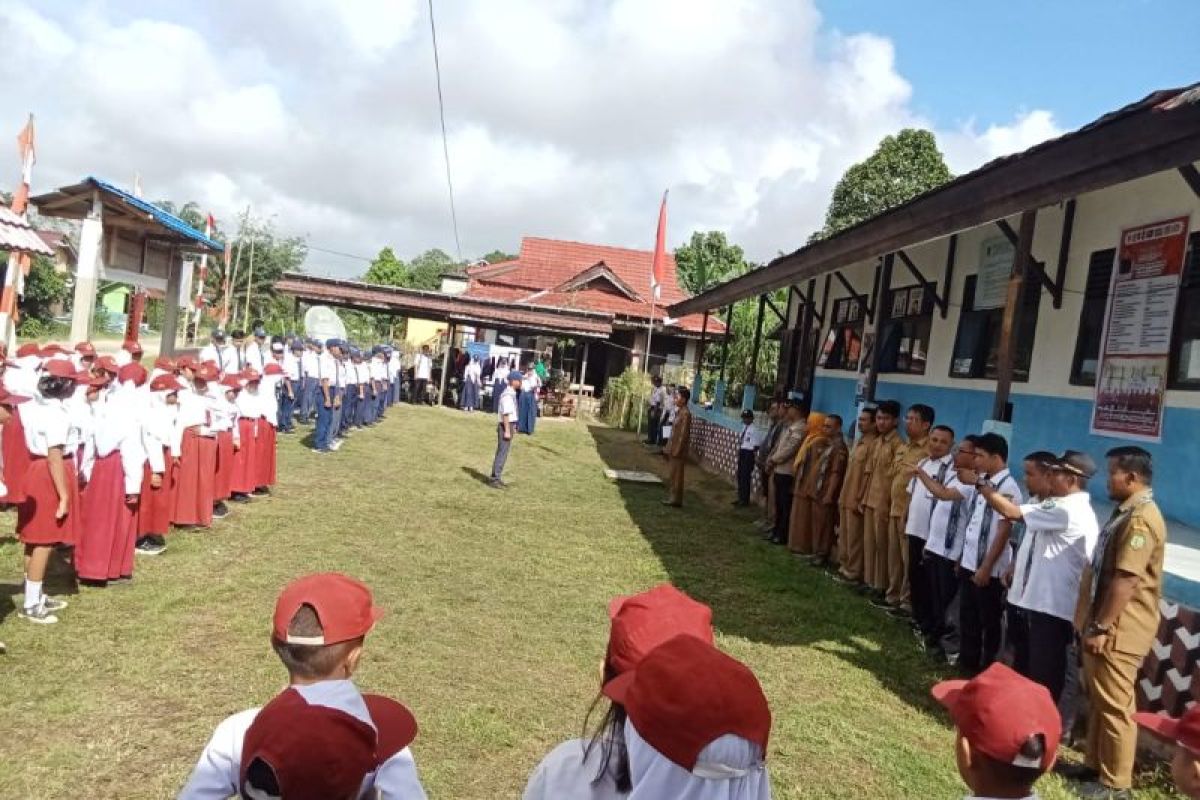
(658, 267)
(25, 146)
(209, 224)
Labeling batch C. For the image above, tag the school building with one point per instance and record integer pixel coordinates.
(989, 299)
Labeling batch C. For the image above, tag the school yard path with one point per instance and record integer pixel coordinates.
(495, 629)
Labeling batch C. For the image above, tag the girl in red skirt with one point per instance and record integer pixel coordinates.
(47, 516)
(193, 504)
(245, 470)
(225, 425)
(160, 437)
(269, 399)
(10, 416)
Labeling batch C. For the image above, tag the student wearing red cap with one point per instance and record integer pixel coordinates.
(598, 768)
(225, 415)
(1008, 730)
(161, 441)
(1184, 734)
(268, 398)
(197, 453)
(698, 725)
(250, 413)
(14, 453)
(320, 735)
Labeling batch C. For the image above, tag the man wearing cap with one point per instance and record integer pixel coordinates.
(1183, 734)
(1060, 535)
(678, 447)
(780, 466)
(221, 353)
(238, 345)
(1007, 730)
(506, 426)
(1117, 617)
(748, 443)
(310, 380)
(319, 738)
(85, 356)
(328, 399)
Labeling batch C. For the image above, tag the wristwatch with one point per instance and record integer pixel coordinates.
(1096, 629)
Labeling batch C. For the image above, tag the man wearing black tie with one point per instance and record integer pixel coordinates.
(748, 444)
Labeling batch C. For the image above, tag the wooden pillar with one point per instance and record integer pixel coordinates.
(881, 315)
(171, 304)
(762, 307)
(725, 345)
(703, 342)
(1012, 315)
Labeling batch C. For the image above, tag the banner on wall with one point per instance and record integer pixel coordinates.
(1131, 382)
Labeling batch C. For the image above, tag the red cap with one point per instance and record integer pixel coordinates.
(59, 368)
(108, 364)
(85, 349)
(642, 622)
(165, 383)
(1183, 731)
(207, 372)
(7, 398)
(131, 347)
(250, 375)
(162, 362)
(29, 349)
(998, 710)
(88, 378)
(186, 362)
(686, 694)
(343, 605)
(54, 349)
(132, 372)
(314, 751)
(231, 382)
(272, 369)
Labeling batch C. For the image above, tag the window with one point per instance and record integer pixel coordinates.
(843, 344)
(977, 344)
(1185, 343)
(904, 335)
(1091, 318)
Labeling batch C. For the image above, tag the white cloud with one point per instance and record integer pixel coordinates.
(566, 117)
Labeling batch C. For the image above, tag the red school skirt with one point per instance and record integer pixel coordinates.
(156, 505)
(225, 461)
(193, 502)
(107, 526)
(36, 523)
(16, 458)
(245, 461)
(265, 455)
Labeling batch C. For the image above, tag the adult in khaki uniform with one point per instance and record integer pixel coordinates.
(850, 501)
(877, 514)
(831, 468)
(1117, 618)
(917, 423)
(781, 468)
(800, 535)
(676, 450)
(778, 424)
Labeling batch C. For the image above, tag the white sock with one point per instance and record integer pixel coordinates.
(33, 593)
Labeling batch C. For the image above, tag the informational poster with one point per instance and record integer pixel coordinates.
(1144, 292)
(995, 268)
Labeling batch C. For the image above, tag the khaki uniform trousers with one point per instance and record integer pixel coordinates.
(800, 538)
(875, 548)
(1111, 731)
(822, 528)
(676, 480)
(897, 562)
(850, 544)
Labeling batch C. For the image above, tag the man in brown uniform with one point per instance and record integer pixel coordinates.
(677, 448)
(877, 514)
(850, 501)
(1117, 618)
(800, 532)
(917, 423)
(831, 469)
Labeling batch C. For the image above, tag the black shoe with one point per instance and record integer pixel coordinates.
(220, 511)
(878, 601)
(240, 497)
(1094, 790)
(899, 612)
(672, 505)
(1076, 772)
(261, 491)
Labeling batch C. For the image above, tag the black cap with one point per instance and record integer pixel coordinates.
(1077, 463)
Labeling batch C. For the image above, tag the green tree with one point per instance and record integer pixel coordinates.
(706, 260)
(496, 256)
(426, 269)
(387, 270)
(45, 288)
(902, 167)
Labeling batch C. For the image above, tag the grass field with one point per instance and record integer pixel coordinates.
(495, 628)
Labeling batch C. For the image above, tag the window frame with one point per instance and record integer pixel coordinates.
(993, 319)
(923, 320)
(853, 319)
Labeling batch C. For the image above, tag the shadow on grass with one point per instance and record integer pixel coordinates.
(477, 475)
(759, 591)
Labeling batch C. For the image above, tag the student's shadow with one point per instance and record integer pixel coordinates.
(477, 475)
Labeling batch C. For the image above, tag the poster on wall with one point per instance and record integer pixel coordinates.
(1131, 382)
(995, 267)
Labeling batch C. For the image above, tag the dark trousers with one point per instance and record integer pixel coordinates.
(325, 419)
(745, 474)
(654, 426)
(918, 587)
(783, 505)
(310, 396)
(349, 409)
(980, 612)
(942, 585)
(502, 447)
(1041, 647)
(420, 394)
(287, 408)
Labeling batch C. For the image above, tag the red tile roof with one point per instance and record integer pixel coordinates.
(545, 267)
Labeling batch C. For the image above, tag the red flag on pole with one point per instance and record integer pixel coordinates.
(658, 268)
(27, 151)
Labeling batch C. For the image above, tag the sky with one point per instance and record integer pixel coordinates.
(565, 118)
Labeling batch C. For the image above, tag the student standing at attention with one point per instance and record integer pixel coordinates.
(677, 448)
(422, 371)
(748, 444)
(506, 407)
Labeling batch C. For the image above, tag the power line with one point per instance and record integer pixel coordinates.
(437, 68)
(336, 252)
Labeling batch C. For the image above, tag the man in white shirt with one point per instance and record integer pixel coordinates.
(293, 386)
(255, 353)
(1060, 535)
(985, 557)
(658, 399)
(749, 440)
(422, 372)
(310, 380)
(219, 352)
(506, 426)
(936, 466)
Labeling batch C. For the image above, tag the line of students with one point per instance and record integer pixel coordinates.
(343, 388)
(104, 457)
(943, 536)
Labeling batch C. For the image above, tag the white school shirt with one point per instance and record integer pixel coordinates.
(159, 431)
(194, 410)
(362, 372)
(973, 554)
(920, 509)
(326, 368)
(291, 366)
(254, 357)
(658, 397)
(531, 382)
(473, 373)
(47, 424)
(308, 363)
(377, 368)
(393, 365)
(210, 352)
(508, 404)
(217, 772)
(750, 439)
(942, 541)
(567, 772)
(1060, 536)
(422, 367)
(118, 429)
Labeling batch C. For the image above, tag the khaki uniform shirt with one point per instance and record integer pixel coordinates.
(807, 462)
(910, 453)
(855, 484)
(1138, 548)
(880, 468)
(828, 484)
(681, 433)
(784, 454)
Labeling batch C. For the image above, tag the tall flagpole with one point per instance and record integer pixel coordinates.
(655, 280)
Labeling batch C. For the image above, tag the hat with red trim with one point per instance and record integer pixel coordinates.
(7, 398)
(132, 372)
(343, 606)
(85, 349)
(108, 364)
(1183, 731)
(60, 368)
(165, 383)
(641, 622)
(207, 372)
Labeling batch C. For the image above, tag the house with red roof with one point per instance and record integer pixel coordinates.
(599, 278)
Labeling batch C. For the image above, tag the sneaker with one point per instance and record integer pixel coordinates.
(53, 604)
(220, 511)
(150, 548)
(1076, 772)
(38, 614)
(1094, 790)
(239, 497)
(881, 603)
(496, 483)
(952, 659)
(336, 444)
(261, 491)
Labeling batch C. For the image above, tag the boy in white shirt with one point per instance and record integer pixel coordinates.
(506, 427)
(937, 465)
(748, 443)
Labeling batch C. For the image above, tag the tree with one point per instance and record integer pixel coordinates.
(426, 270)
(706, 260)
(387, 270)
(45, 288)
(902, 167)
(497, 256)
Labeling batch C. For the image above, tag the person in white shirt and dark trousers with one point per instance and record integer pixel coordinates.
(506, 426)
(422, 372)
(748, 443)
(658, 399)
(937, 466)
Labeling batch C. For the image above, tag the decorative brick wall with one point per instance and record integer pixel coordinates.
(714, 447)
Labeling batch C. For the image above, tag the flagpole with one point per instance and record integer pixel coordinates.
(650, 332)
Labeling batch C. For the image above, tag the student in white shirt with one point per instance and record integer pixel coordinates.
(658, 398)
(422, 372)
(985, 558)
(293, 387)
(379, 382)
(255, 353)
(472, 387)
(328, 400)
(749, 440)
(1060, 535)
(506, 426)
(311, 380)
(937, 465)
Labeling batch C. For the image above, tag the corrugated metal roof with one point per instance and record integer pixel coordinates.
(161, 217)
(17, 234)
